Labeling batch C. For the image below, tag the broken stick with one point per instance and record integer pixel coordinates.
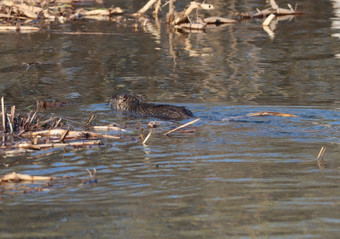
(182, 126)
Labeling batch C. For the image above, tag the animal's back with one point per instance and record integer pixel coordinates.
(137, 106)
(163, 111)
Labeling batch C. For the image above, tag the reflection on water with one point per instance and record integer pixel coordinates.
(235, 176)
(336, 21)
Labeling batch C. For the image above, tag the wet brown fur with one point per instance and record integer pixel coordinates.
(135, 104)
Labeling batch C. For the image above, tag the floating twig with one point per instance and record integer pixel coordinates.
(3, 115)
(92, 117)
(147, 137)
(321, 153)
(64, 135)
(182, 126)
(268, 20)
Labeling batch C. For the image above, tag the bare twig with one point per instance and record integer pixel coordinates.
(3, 114)
(64, 135)
(146, 7)
(147, 137)
(268, 20)
(182, 126)
(321, 153)
(92, 117)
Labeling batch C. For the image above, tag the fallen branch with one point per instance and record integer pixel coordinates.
(17, 177)
(182, 126)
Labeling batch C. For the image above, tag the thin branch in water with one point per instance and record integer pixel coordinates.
(92, 117)
(147, 137)
(3, 115)
(321, 153)
(182, 126)
(62, 138)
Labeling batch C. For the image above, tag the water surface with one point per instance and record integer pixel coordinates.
(234, 176)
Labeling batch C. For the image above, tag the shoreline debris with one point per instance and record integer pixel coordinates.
(31, 16)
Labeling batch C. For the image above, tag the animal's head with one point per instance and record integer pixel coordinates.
(123, 102)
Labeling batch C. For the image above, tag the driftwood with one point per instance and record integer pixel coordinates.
(17, 177)
(270, 113)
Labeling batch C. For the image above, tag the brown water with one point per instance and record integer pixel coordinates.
(249, 177)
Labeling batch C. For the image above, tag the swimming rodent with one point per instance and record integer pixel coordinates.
(136, 105)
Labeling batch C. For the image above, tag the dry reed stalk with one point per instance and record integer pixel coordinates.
(12, 114)
(182, 126)
(3, 115)
(64, 135)
(147, 137)
(92, 117)
(146, 7)
(268, 20)
(57, 123)
(321, 153)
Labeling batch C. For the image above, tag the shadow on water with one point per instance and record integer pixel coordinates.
(234, 176)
